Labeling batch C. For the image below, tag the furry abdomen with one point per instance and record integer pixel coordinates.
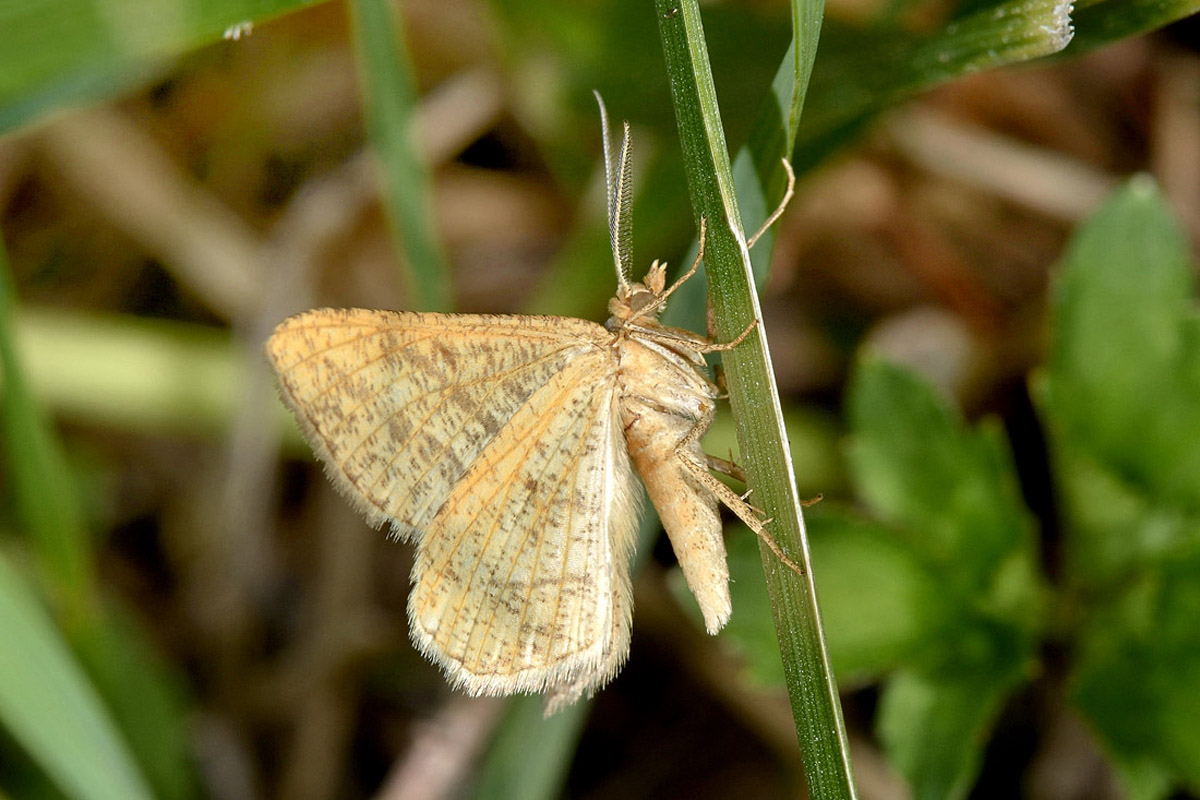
(663, 399)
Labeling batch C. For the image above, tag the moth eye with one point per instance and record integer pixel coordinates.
(640, 299)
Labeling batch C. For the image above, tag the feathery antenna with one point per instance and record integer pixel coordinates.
(618, 196)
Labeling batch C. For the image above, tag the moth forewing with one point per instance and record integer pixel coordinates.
(398, 405)
(521, 573)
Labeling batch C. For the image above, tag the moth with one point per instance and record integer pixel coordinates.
(506, 448)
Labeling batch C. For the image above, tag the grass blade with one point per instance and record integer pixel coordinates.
(46, 503)
(391, 101)
(530, 754)
(754, 397)
(136, 690)
(47, 704)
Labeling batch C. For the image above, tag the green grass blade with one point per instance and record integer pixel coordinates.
(1098, 22)
(530, 754)
(48, 706)
(861, 72)
(112, 654)
(391, 102)
(45, 501)
(761, 433)
(758, 175)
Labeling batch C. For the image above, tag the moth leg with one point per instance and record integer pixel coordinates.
(743, 510)
(720, 347)
(726, 467)
(787, 197)
(719, 382)
(662, 298)
(729, 468)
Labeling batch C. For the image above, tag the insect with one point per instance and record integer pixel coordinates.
(505, 447)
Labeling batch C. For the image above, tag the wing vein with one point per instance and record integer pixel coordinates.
(529, 440)
(433, 462)
(564, 474)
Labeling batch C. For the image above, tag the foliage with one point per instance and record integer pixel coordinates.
(937, 585)
(959, 607)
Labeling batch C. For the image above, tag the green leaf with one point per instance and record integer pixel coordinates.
(1126, 333)
(889, 624)
(951, 492)
(1138, 673)
(1121, 402)
(868, 631)
(953, 489)
(60, 52)
(935, 730)
(47, 704)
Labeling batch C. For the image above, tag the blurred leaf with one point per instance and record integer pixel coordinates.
(952, 493)
(934, 730)
(530, 755)
(1098, 22)
(953, 489)
(1138, 673)
(888, 625)
(1121, 399)
(47, 704)
(868, 631)
(1125, 331)
(48, 510)
(390, 98)
(60, 52)
(863, 71)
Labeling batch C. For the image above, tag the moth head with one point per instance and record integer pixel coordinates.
(634, 300)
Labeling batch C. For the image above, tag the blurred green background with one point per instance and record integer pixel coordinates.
(983, 328)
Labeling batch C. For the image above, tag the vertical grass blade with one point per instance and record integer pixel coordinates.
(48, 706)
(46, 504)
(530, 754)
(108, 649)
(754, 397)
(391, 101)
(46, 703)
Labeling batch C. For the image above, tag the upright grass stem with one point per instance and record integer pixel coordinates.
(755, 399)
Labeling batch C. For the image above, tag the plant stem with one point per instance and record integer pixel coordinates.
(755, 400)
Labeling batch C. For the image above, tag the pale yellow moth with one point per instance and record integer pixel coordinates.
(505, 447)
